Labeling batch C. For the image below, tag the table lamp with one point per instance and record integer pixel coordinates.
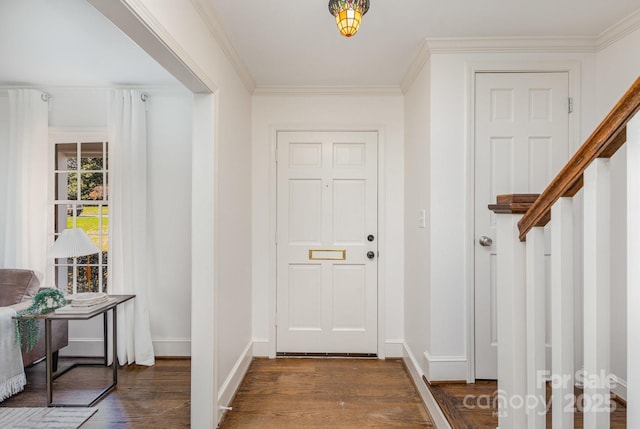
(72, 243)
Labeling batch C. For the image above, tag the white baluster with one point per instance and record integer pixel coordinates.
(633, 272)
(562, 292)
(535, 290)
(597, 294)
(511, 301)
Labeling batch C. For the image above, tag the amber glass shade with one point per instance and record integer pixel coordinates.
(348, 14)
(348, 22)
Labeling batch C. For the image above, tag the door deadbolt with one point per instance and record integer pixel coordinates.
(370, 237)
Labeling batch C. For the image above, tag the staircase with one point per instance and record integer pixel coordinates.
(521, 274)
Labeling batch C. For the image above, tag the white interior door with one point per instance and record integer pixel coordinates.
(327, 220)
(521, 142)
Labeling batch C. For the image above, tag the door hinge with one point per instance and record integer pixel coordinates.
(276, 155)
(570, 104)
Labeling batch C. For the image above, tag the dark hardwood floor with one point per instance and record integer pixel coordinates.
(327, 393)
(471, 405)
(146, 397)
(277, 393)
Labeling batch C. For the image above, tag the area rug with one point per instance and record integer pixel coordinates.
(37, 418)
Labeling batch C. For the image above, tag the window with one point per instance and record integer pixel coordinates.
(81, 200)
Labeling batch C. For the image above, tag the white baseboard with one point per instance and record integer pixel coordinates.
(394, 349)
(230, 386)
(177, 347)
(85, 347)
(416, 375)
(619, 387)
(261, 347)
(446, 368)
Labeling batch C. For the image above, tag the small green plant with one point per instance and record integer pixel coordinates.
(27, 323)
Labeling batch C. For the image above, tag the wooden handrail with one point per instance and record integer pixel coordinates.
(610, 135)
(513, 203)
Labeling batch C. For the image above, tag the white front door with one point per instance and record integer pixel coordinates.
(521, 142)
(327, 242)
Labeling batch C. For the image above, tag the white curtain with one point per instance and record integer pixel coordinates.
(25, 181)
(128, 224)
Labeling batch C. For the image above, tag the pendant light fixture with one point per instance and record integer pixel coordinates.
(348, 14)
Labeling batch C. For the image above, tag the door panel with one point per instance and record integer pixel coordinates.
(349, 200)
(521, 142)
(305, 297)
(327, 207)
(305, 203)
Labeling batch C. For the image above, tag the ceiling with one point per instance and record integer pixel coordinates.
(295, 43)
(69, 43)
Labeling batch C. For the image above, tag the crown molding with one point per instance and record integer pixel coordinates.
(619, 30)
(263, 90)
(215, 28)
(452, 45)
(461, 45)
(419, 61)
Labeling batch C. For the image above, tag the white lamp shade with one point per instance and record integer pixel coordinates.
(73, 242)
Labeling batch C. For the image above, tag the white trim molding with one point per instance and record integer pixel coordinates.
(619, 387)
(274, 129)
(211, 21)
(172, 347)
(446, 368)
(459, 45)
(273, 90)
(619, 30)
(231, 384)
(419, 61)
(89, 347)
(574, 72)
(415, 372)
(261, 347)
(452, 45)
(393, 349)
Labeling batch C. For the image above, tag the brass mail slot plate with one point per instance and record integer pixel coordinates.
(327, 254)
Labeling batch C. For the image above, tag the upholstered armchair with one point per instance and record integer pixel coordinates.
(17, 288)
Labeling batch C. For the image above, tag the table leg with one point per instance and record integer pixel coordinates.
(105, 336)
(115, 344)
(49, 360)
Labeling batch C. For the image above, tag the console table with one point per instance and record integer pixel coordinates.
(101, 309)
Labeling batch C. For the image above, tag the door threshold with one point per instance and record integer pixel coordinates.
(327, 355)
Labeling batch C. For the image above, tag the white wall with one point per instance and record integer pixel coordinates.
(78, 108)
(169, 203)
(448, 354)
(328, 112)
(233, 234)
(169, 224)
(417, 305)
(618, 66)
(221, 350)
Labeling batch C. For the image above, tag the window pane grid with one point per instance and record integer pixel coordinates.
(81, 201)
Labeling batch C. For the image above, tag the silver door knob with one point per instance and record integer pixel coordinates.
(485, 241)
